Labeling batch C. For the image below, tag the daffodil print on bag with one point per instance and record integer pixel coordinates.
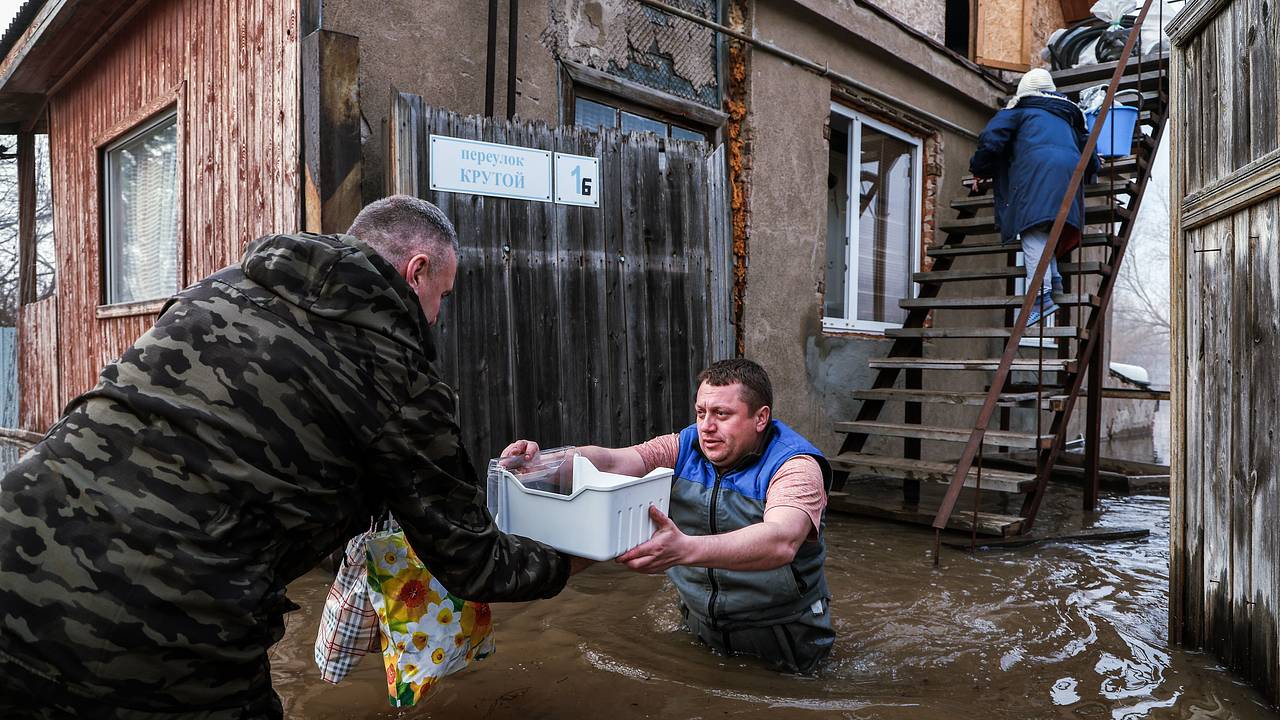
(426, 632)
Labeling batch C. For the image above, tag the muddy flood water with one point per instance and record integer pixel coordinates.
(1053, 631)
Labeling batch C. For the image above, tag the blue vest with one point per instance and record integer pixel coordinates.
(708, 501)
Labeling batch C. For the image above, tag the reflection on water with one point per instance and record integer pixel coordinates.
(1054, 631)
(1152, 448)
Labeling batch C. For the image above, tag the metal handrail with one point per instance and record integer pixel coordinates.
(1020, 325)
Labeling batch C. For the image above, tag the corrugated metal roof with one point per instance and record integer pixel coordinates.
(25, 15)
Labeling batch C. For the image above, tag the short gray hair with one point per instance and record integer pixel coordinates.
(401, 226)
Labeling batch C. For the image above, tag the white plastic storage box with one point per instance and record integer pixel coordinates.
(583, 512)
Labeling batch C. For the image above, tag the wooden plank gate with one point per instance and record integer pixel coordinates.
(577, 324)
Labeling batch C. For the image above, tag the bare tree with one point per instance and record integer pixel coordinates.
(1140, 329)
(1142, 290)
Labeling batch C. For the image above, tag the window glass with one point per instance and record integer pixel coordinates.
(638, 123)
(142, 214)
(872, 224)
(596, 114)
(837, 267)
(591, 114)
(680, 133)
(885, 226)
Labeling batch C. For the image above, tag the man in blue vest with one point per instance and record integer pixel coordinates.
(744, 545)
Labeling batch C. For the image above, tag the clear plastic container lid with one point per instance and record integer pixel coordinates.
(548, 470)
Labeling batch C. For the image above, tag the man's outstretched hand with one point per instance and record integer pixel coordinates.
(524, 449)
(666, 549)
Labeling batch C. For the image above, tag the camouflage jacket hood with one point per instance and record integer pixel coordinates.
(331, 276)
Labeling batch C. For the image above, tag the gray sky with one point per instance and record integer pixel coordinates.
(8, 8)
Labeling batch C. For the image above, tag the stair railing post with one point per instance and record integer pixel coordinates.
(1093, 419)
(912, 415)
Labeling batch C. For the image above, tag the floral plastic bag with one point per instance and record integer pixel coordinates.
(426, 632)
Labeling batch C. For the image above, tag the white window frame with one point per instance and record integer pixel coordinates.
(856, 121)
(110, 278)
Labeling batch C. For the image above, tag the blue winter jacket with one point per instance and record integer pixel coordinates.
(1030, 151)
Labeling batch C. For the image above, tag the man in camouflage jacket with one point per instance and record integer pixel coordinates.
(146, 542)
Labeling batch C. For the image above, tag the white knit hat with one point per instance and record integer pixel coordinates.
(1034, 82)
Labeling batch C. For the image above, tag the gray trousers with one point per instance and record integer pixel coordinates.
(1034, 242)
(795, 647)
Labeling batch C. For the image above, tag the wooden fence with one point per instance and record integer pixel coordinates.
(1225, 541)
(578, 325)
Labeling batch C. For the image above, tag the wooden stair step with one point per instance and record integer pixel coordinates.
(1090, 535)
(1115, 165)
(1117, 465)
(987, 200)
(939, 472)
(1150, 81)
(1095, 73)
(942, 276)
(1022, 399)
(988, 523)
(1152, 118)
(1057, 402)
(993, 438)
(1154, 90)
(1125, 476)
(1019, 364)
(1121, 166)
(1097, 212)
(1110, 480)
(992, 301)
(990, 247)
(1065, 331)
(944, 397)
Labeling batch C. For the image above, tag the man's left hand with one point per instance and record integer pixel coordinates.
(667, 548)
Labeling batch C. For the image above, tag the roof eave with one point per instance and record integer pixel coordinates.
(12, 76)
(52, 46)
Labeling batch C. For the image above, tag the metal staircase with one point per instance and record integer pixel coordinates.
(1034, 382)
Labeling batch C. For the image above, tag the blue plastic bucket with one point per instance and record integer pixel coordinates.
(1121, 119)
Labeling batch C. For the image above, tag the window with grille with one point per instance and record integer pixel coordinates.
(873, 222)
(669, 53)
(142, 212)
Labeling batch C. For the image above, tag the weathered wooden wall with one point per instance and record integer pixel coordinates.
(232, 69)
(574, 325)
(1225, 555)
